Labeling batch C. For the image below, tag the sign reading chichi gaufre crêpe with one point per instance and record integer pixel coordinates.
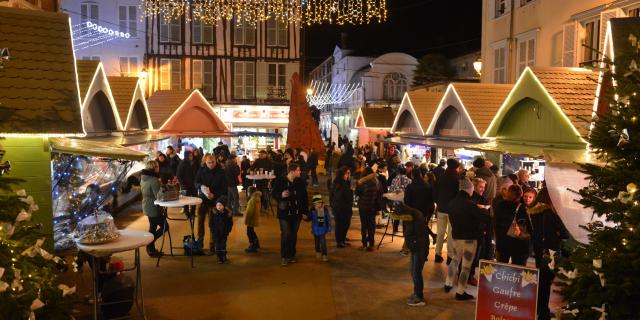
(506, 292)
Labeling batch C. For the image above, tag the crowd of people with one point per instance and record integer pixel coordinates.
(479, 214)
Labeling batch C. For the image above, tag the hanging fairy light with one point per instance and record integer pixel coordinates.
(299, 12)
(321, 94)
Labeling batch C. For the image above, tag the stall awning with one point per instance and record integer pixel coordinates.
(131, 140)
(94, 148)
(258, 134)
(432, 142)
(557, 154)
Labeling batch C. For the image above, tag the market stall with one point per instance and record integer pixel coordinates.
(373, 124)
(187, 114)
(548, 110)
(100, 115)
(462, 117)
(411, 121)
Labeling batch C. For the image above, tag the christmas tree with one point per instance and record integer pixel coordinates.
(28, 273)
(601, 279)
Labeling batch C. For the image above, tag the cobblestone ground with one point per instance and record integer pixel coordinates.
(353, 285)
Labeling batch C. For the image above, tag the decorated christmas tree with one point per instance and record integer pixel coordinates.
(601, 279)
(28, 273)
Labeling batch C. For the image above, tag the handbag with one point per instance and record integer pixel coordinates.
(516, 230)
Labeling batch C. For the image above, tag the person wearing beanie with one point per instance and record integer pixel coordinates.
(220, 224)
(466, 218)
(320, 225)
(446, 189)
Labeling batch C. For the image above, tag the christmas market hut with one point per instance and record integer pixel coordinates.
(462, 117)
(188, 116)
(373, 124)
(41, 122)
(547, 113)
(100, 115)
(411, 121)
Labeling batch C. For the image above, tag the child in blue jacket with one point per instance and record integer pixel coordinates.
(320, 225)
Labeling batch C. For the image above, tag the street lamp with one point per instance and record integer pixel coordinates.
(477, 65)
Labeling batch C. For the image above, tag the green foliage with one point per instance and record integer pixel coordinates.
(26, 277)
(611, 194)
(431, 68)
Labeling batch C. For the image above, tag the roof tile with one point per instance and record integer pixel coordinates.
(38, 87)
(482, 101)
(122, 89)
(163, 103)
(86, 71)
(574, 90)
(425, 104)
(378, 117)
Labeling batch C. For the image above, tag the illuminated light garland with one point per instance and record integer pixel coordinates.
(299, 12)
(324, 93)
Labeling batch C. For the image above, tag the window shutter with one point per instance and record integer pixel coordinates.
(271, 32)
(197, 74)
(94, 13)
(207, 33)
(122, 14)
(207, 78)
(250, 35)
(83, 12)
(238, 80)
(282, 34)
(133, 21)
(175, 30)
(569, 44)
(176, 74)
(281, 74)
(272, 74)
(238, 34)
(250, 80)
(605, 16)
(133, 66)
(124, 65)
(197, 31)
(165, 75)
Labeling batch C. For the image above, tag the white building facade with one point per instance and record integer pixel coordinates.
(521, 33)
(382, 82)
(120, 56)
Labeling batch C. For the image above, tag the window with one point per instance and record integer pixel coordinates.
(591, 41)
(170, 74)
(128, 20)
(277, 78)
(203, 77)
(526, 52)
(500, 63)
(129, 66)
(244, 35)
(202, 33)
(170, 31)
(90, 58)
(635, 12)
(395, 85)
(244, 80)
(500, 8)
(277, 33)
(88, 12)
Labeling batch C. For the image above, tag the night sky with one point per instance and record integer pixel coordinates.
(416, 27)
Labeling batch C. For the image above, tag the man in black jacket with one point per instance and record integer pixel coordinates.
(415, 235)
(291, 193)
(446, 189)
(466, 218)
(312, 163)
(211, 184)
(187, 170)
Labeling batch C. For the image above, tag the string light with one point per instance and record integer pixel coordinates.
(299, 12)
